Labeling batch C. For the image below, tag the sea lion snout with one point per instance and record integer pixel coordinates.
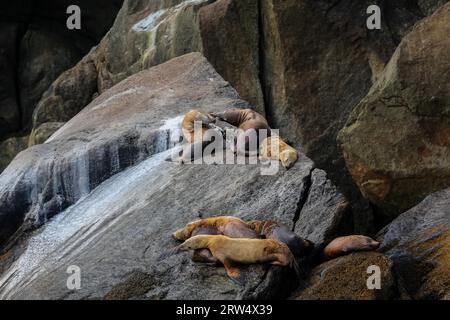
(373, 245)
(180, 235)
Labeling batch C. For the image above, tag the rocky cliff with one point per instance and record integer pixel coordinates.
(98, 110)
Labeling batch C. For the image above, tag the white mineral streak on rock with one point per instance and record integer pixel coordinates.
(94, 212)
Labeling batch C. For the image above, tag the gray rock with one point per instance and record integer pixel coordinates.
(43, 56)
(9, 148)
(115, 200)
(418, 242)
(9, 106)
(325, 213)
(428, 7)
(396, 142)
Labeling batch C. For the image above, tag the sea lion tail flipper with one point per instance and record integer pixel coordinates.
(239, 280)
(234, 273)
(169, 253)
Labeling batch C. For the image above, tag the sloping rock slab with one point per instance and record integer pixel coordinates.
(119, 129)
(418, 242)
(115, 200)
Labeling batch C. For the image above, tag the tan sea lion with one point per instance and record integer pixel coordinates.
(275, 148)
(231, 251)
(225, 225)
(188, 124)
(345, 245)
(270, 229)
(197, 141)
(249, 122)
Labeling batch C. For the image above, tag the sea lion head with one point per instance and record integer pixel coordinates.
(288, 158)
(181, 234)
(360, 243)
(186, 232)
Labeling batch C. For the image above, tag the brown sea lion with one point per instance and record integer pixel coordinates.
(225, 225)
(275, 148)
(345, 245)
(188, 124)
(204, 255)
(232, 251)
(270, 229)
(197, 141)
(249, 122)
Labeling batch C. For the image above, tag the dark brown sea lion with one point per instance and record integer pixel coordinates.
(250, 123)
(273, 230)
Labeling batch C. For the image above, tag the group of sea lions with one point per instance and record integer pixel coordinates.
(230, 241)
(247, 122)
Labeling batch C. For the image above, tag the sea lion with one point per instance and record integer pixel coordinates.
(270, 229)
(225, 225)
(275, 148)
(249, 122)
(232, 251)
(345, 245)
(197, 141)
(188, 124)
(204, 255)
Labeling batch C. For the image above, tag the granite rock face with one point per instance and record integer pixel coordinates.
(107, 201)
(36, 47)
(397, 140)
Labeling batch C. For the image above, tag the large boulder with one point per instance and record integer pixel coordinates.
(418, 242)
(319, 61)
(325, 213)
(397, 140)
(67, 96)
(146, 34)
(44, 55)
(115, 200)
(9, 105)
(429, 6)
(9, 148)
(346, 278)
(36, 46)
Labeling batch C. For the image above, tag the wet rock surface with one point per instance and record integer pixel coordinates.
(113, 213)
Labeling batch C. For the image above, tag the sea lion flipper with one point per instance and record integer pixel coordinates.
(204, 256)
(234, 273)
